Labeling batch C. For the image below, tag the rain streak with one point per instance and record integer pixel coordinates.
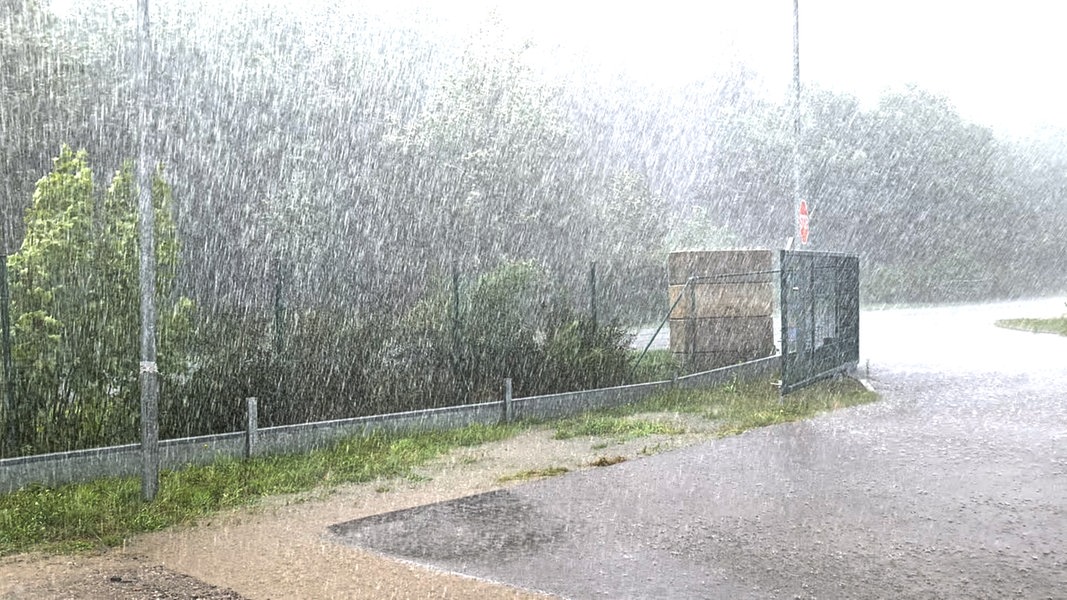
(365, 209)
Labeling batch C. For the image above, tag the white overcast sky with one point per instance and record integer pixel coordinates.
(1001, 62)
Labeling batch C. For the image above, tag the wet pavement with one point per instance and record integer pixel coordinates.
(953, 486)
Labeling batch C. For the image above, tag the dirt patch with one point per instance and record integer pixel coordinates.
(607, 461)
(281, 548)
(111, 575)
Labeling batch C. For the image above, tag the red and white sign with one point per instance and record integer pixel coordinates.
(802, 221)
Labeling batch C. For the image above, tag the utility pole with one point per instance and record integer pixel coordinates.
(149, 371)
(797, 174)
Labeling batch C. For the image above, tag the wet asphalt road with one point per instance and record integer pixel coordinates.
(954, 486)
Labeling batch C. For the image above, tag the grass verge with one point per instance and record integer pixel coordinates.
(107, 511)
(736, 407)
(620, 427)
(1057, 326)
(740, 408)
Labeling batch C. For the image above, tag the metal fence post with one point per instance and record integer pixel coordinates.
(454, 341)
(251, 427)
(784, 281)
(691, 325)
(10, 421)
(507, 401)
(279, 306)
(592, 293)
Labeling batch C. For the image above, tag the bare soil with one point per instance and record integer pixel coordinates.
(278, 549)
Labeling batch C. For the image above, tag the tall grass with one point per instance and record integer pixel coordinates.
(656, 365)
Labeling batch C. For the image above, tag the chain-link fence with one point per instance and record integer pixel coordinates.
(820, 315)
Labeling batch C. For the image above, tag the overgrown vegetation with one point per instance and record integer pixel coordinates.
(1054, 325)
(312, 365)
(656, 365)
(460, 342)
(455, 345)
(75, 305)
(106, 511)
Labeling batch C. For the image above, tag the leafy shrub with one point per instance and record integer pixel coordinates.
(75, 309)
(579, 354)
(458, 345)
(322, 371)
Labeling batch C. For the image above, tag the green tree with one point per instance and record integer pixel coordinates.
(494, 169)
(75, 306)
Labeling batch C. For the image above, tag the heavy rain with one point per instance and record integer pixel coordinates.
(418, 313)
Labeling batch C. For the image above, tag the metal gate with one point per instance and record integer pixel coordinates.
(820, 304)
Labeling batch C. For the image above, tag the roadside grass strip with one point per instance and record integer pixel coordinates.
(104, 512)
(1057, 326)
(617, 427)
(736, 407)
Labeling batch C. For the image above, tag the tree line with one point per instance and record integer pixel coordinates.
(368, 157)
